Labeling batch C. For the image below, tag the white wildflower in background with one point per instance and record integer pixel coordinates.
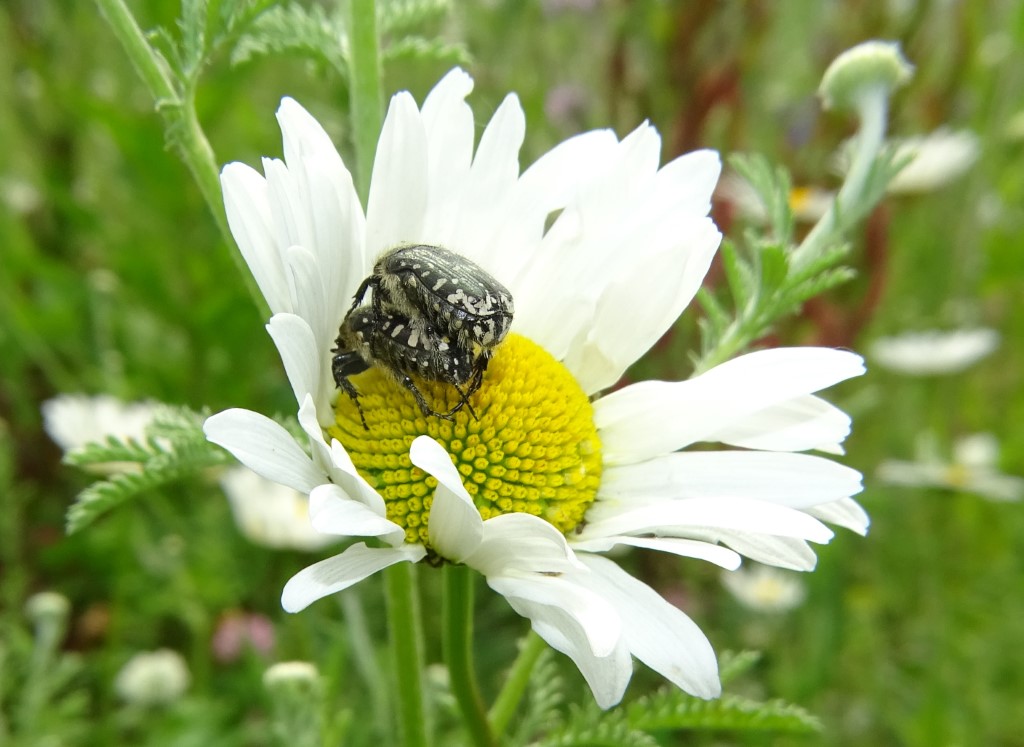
(287, 674)
(602, 250)
(763, 588)
(936, 159)
(808, 203)
(271, 514)
(931, 161)
(933, 352)
(152, 678)
(267, 513)
(74, 420)
(974, 468)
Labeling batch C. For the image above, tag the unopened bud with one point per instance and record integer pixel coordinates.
(874, 66)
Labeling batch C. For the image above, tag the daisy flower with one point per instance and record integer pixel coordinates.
(270, 514)
(974, 468)
(602, 250)
(934, 352)
(763, 588)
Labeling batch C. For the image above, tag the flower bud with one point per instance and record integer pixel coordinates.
(874, 66)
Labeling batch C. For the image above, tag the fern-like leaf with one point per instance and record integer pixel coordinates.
(167, 467)
(732, 664)
(426, 50)
(402, 16)
(293, 29)
(175, 447)
(671, 709)
(540, 712)
(591, 727)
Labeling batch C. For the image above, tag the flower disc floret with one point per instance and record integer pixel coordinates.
(533, 447)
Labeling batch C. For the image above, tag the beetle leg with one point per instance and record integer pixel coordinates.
(425, 408)
(349, 388)
(361, 292)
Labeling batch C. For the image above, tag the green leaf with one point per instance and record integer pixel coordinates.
(672, 709)
(402, 16)
(732, 664)
(426, 50)
(540, 711)
(716, 318)
(111, 450)
(175, 448)
(774, 267)
(591, 727)
(293, 29)
(193, 36)
(740, 275)
(101, 497)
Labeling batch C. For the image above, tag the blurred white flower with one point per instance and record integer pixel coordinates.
(47, 606)
(933, 352)
(153, 678)
(270, 514)
(764, 588)
(266, 512)
(808, 203)
(934, 161)
(73, 420)
(544, 479)
(973, 469)
(19, 195)
(937, 159)
(289, 674)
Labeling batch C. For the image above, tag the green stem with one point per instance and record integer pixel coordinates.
(365, 86)
(178, 111)
(407, 652)
(458, 652)
(515, 686)
(363, 653)
(873, 112)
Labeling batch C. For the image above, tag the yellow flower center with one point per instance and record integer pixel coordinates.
(533, 447)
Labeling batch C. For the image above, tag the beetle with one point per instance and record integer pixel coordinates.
(400, 347)
(451, 293)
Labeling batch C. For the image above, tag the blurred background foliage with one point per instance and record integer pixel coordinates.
(114, 278)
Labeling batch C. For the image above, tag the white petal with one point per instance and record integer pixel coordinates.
(656, 417)
(336, 220)
(607, 676)
(794, 480)
(690, 180)
(521, 543)
(657, 633)
(595, 621)
(676, 517)
(800, 424)
(398, 191)
(303, 137)
(455, 528)
(342, 571)
(264, 447)
(301, 357)
(450, 132)
(687, 548)
(249, 216)
(845, 512)
(332, 511)
(349, 480)
(291, 219)
(490, 182)
(306, 283)
(586, 243)
(782, 552)
(552, 182)
(666, 278)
